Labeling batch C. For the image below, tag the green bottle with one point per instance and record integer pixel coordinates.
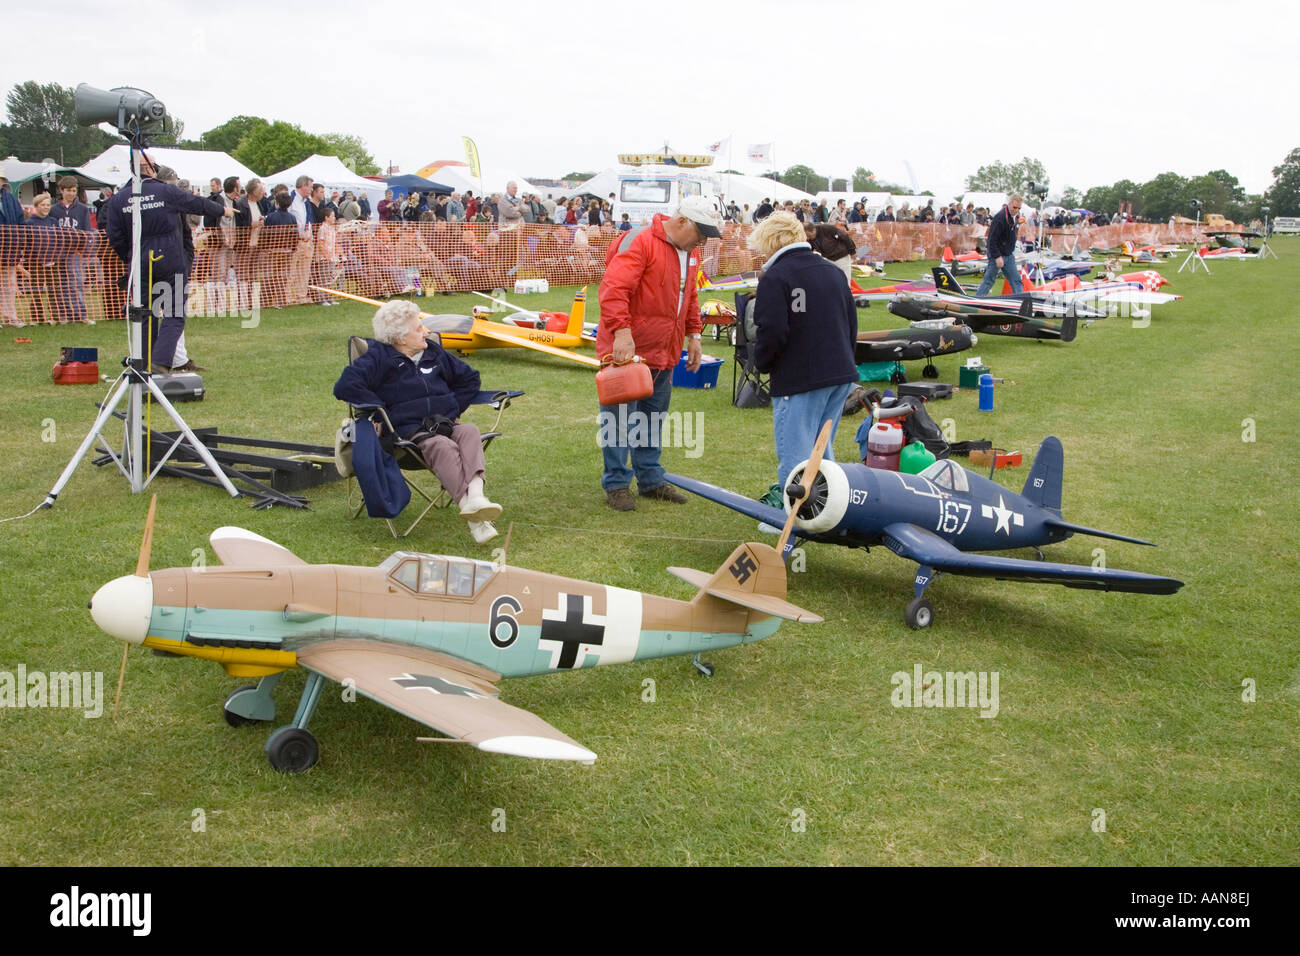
(915, 458)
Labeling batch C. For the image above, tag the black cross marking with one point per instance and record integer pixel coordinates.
(571, 631)
(436, 685)
(743, 568)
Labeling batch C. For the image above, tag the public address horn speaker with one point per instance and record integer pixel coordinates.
(125, 107)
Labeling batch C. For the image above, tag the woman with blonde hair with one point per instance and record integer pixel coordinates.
(807, 327)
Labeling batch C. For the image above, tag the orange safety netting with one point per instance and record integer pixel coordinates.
(50, 274)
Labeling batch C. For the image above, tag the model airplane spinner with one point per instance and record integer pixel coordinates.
(467, 334)
(937, 518)
(426, 635)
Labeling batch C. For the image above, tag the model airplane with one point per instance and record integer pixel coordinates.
(468, 334)
(906, 345)
(923, 311)
(426, 635)
(936, 518)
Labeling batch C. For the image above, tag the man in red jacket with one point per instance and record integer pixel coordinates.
(648, 304)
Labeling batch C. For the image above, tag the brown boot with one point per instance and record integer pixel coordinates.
(664, 492)
(620, 499)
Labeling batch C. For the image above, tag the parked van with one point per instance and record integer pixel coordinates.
(645, 190)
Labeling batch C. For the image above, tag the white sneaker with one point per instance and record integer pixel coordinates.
(483, 531)
(478, 508)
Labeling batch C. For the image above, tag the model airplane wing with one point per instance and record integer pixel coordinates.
(427, 687)
(484, 328)
(923, 547)
(240, 548)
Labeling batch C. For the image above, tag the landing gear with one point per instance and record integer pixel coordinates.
(930, 371)
(704, 667)
(920, 612)
(292, 749)
(251, 704)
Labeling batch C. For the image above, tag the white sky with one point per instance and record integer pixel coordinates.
(1119, 91)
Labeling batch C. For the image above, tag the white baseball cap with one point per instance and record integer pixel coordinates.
(704, 213)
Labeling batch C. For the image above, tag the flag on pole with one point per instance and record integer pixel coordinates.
(718, 146)
(471, 157)
(760, 153)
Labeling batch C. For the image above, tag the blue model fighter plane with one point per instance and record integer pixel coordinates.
(937, 518)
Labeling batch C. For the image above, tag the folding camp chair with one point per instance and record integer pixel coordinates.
(406, 453)
(750, 388)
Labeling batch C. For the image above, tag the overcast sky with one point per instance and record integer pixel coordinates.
(1097, 91)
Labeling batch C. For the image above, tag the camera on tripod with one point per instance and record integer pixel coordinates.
(133, 112)
(1037, 189)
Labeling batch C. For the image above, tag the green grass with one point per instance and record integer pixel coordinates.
(1123, 703)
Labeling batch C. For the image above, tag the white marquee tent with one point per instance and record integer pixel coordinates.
(494, 180)
(113, 165)
(330, 172)
(753, 189)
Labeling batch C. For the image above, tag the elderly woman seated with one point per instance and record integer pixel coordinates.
(424, 390)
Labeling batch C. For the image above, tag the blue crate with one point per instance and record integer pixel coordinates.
(704, 377)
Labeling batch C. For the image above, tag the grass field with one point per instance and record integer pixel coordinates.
(1122, 710)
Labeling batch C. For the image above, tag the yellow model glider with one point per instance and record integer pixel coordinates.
(465, 333)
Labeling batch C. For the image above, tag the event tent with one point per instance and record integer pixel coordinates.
(330, 172)
(113, 165)
(23, 177)
(753, 189)
(493, 180)
(401, 185)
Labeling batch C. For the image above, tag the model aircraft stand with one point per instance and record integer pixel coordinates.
(304, 466)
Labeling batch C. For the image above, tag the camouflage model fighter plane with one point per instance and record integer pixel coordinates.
(923, 311)
(426, 635)
(937, 518)
(467, 334)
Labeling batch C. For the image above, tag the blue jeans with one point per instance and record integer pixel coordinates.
(796, 420)
(632, 431)
(1008, 269)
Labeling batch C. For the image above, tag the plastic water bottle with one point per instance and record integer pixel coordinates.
(986, 393)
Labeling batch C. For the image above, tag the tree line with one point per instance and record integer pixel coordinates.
(42, 124)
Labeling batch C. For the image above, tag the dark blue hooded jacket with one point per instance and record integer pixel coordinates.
(441, 384)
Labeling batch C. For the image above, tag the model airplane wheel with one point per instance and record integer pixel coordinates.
(930, 371)
(292, 750)
(704, 667)
(232, 718)
(919, 614)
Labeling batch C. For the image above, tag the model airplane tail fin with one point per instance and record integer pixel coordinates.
(947, 254)
(1043, 486)
(753, 576)
(945, 281)
(1026, 308)
(1069, 327)
(577, 312)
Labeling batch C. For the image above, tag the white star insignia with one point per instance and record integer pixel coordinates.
(1005, 516)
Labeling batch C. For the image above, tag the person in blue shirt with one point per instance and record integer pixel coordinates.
(163, 261)
(70, 292)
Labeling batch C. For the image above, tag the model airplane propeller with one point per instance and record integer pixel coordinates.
(465, 333)
(936, 518)
(426, 635)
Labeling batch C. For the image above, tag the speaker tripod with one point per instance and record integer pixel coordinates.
(135, 379)
(1194, 257)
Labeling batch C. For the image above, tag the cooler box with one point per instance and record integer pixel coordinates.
(76, 366)
(526, 286)
(970, 377)
(704, 377)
